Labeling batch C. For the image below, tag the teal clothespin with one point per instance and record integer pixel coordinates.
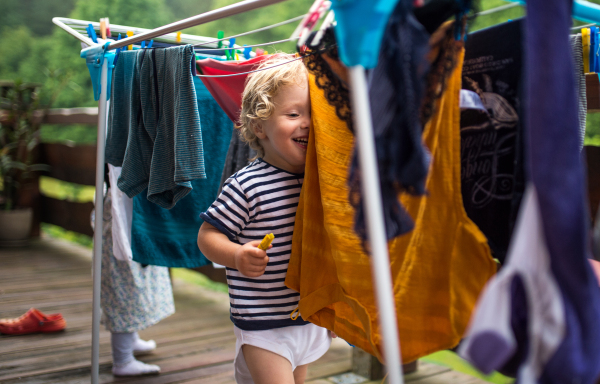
(247, 51)
(94, 57)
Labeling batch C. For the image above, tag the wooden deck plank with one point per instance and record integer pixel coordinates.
(196, 345)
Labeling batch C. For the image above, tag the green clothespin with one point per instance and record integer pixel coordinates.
(220, 35)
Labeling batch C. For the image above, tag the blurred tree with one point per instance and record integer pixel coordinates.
(256, 19)
(44, 49)
(35, 14)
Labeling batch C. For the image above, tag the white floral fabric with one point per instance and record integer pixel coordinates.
(133, 297)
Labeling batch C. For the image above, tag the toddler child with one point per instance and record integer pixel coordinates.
(257, 200)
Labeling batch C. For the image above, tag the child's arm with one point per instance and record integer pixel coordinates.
(248, 258)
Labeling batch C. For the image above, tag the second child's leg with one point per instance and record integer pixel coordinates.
(267, 367)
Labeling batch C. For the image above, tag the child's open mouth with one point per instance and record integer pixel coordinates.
(302, 142)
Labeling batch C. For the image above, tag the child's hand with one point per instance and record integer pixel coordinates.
(250, 260)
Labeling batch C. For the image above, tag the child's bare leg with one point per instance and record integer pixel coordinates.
(267, 367)
(300, 374)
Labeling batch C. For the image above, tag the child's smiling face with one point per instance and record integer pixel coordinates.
(284, 135)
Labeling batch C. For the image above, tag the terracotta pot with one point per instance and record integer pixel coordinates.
(15, 227)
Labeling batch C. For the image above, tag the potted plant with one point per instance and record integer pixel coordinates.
(19, 136)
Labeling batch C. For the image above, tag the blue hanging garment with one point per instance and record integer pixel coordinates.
(396, 90)
(558, 174)
(359, 30)
(167, 237)
(559, 341)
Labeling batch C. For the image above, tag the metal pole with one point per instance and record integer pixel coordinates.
(99, 209)
(380, 261)
(230, 10)
(72, 32)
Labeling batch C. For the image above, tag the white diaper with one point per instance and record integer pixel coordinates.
(300, 344)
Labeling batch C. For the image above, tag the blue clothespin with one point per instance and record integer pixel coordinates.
(597, 52)
(593, 47)
(230, 53)
(150, 44)
(92, 33)
(247, 51)
(94, 57)
(143, 45)
(118, 50)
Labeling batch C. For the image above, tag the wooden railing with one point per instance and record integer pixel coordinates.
(74, 164)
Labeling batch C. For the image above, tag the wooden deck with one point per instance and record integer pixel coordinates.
(195, 345)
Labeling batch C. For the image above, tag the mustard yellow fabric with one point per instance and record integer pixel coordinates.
(438, 269)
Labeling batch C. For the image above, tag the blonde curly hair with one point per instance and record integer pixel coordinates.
(260, 89)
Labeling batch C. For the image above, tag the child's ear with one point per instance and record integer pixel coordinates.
(258, 131)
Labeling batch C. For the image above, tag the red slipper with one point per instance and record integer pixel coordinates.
(33, 321)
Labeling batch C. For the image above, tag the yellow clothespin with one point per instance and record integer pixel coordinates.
(265, 53)
(236, 56)
(178, 37)
(585, 42)
(103, 28)
(130, 46)
(268, 239)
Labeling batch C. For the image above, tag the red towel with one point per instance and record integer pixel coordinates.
(227, 91)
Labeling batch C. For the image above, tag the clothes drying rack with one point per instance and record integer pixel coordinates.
(364, 140)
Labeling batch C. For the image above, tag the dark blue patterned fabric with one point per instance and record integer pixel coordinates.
(156, 112)
(396, 88)
(558, 174)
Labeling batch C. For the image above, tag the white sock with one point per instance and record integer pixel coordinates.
(122, 348)
(135, 368)
(142, 346)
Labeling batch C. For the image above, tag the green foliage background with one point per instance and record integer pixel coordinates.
(33, 47)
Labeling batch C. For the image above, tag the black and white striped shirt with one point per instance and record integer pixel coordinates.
(257, 200)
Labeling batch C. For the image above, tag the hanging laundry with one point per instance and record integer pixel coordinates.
(577, 51)
(168, 237)
(227, 91)
(198, 51)
(121, 212)
(492, 177)
(238, 156)
(125, 108)
(361, 45)
(132, 297)
(396, 88)
(434, 13)
(438, 269)
(557, 175)
(443, 54)
(161, 122)
(524, 295)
